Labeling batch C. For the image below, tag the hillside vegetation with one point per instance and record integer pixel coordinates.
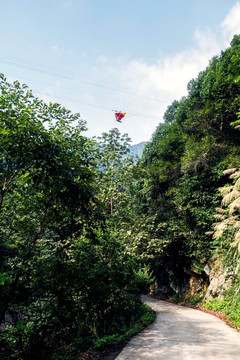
(85, 229)
(185, 187)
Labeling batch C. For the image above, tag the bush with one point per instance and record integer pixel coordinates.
(229, 305)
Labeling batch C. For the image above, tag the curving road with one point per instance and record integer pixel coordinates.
(181, 333)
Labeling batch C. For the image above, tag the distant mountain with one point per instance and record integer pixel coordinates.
(137, 149)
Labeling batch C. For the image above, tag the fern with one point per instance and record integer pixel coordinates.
(227, 229)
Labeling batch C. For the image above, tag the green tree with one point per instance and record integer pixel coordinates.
(115, 171)
(182, 167)
(40, 182)
(62, 273)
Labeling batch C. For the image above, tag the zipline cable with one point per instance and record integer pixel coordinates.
(99, 107)
(60, 73)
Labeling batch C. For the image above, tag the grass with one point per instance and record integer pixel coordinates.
(229, 306)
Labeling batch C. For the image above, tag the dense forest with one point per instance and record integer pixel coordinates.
(85, 228)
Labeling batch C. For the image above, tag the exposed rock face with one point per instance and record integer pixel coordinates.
(220, 280)
(212, 281)
(189, 284)
(196, 285)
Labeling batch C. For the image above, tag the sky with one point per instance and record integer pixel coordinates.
(98, 56)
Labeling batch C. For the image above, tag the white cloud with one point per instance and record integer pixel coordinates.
(168, 78)
(206, 41)
(143, 89)
(231, 24)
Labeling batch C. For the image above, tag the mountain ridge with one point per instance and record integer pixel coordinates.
(137, 149)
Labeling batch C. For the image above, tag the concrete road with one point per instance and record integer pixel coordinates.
(181, 333)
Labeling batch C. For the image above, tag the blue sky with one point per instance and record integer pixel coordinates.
(95, 56)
